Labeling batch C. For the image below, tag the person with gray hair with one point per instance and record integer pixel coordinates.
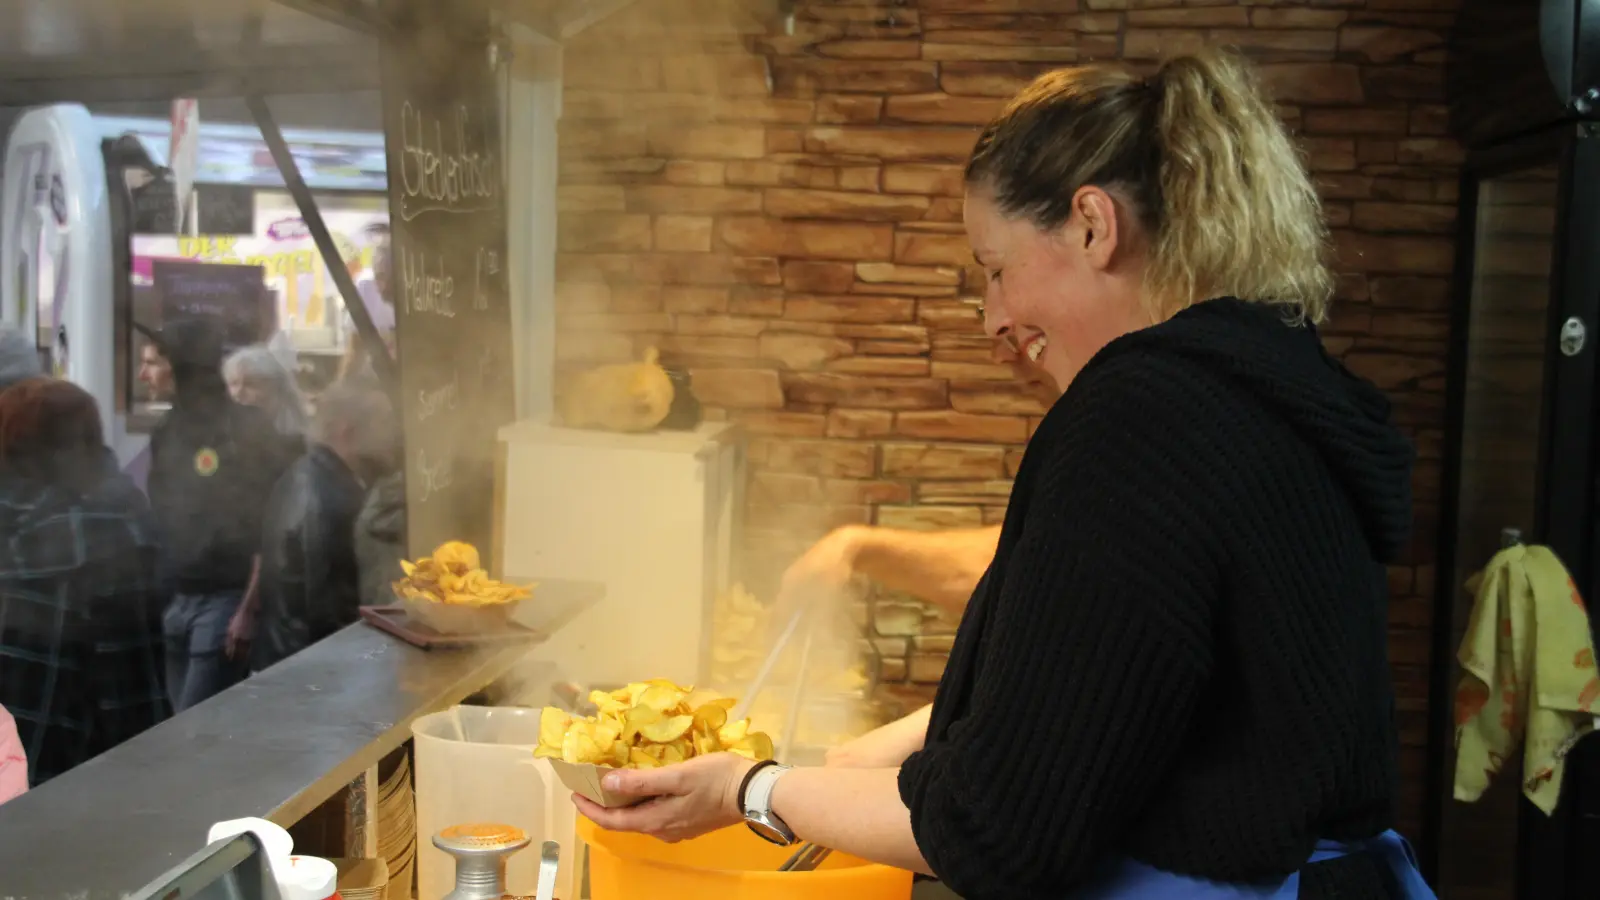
(256, 377)
(19, 357)
(373, 287)
(310, 583)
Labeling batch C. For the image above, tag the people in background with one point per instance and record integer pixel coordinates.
(380, 533)
(373, 287)
(255, 377)
(80, 639)
(13, 760)
(275, 337)
(19, 357)
(213, 463)
(309, 584)
(18, 361)
(155, 371)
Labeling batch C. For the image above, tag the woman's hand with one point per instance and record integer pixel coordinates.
(687, 800)
(821, 575)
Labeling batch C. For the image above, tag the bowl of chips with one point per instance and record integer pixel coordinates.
(645, 725)
(451, 593)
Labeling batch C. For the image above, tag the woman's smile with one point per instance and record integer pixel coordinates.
(1033, 348)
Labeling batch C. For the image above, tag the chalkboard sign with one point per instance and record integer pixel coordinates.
(226, 208)
(234, 295)
(447, 214)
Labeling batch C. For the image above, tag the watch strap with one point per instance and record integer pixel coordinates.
(744, 786)
(758, 797)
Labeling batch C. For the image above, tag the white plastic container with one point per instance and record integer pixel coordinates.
(475, 764)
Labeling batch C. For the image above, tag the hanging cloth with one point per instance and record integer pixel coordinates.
(1529, 675)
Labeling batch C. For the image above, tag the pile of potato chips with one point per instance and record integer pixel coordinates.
(739, 623)
(647, 725)
(453, 575)
(742, 627)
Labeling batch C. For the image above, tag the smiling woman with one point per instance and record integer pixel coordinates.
(1172, 682)
(1175, 188)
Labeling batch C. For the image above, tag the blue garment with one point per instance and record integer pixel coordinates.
(1129, 879)
(196, 631)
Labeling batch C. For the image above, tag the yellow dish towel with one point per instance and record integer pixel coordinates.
(1530, 675)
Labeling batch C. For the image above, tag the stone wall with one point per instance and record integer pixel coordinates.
(780, 214)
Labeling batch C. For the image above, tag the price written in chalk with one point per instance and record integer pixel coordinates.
(488, 268)
(441, 170)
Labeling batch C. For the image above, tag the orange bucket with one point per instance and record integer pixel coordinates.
(731, 864)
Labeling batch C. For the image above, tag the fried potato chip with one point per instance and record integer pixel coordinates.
(457, 555)
(553, 725)
(753, 746)
(733, 732)
(454, 576)
(710, 717)
(661, 697)
(667, 730)
(647, 724)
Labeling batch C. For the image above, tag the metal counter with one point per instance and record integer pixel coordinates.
(275, 746)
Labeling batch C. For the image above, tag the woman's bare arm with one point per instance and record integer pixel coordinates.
(941, 567)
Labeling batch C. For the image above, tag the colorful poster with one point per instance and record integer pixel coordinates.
(307, 298)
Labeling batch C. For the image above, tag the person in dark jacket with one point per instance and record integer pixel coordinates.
(80, 634)
(213, 463)
(380, 539)
(310, 582)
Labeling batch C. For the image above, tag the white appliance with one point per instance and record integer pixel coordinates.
(652, 516)
(55, 253)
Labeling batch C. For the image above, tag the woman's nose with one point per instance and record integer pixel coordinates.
(996, 322)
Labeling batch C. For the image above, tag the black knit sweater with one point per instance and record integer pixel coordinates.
(1179, 652)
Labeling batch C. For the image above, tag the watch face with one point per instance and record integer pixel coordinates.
(767, 831)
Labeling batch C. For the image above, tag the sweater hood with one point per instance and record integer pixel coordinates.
(196, 347)
(1286, 368)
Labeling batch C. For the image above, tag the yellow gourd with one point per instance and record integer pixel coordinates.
(627, 397)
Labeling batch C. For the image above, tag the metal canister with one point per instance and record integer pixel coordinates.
(481, 852)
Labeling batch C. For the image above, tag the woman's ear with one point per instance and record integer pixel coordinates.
(1097, 211)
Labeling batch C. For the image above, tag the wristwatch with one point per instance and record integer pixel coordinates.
(755, 799)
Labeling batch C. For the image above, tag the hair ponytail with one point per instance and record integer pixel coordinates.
(1241, 215)
(1199, 155)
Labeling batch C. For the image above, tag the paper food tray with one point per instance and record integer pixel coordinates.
(585, 781)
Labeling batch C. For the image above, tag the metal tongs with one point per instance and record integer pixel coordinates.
(806, 859)
(809, 856)
(759, 683)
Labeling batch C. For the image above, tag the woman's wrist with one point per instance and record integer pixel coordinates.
(854, 541)
(732, 797)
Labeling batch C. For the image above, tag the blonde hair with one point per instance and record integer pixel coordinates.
(1197, 151)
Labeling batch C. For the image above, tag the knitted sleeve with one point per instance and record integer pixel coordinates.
(1096, 642)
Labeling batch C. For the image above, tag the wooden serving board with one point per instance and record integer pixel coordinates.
(394, 620)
